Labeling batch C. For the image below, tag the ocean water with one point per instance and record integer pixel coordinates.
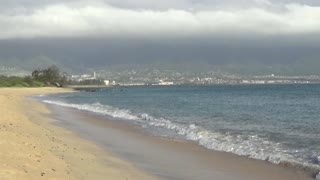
(275, 123)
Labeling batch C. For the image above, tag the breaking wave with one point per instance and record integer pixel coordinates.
(249, 145)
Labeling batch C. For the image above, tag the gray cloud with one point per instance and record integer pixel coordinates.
(164, 4)
(241, 57)
(100, 19)
(95, 33)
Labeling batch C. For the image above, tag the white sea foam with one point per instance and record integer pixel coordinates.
(97, 108)
(249, 145)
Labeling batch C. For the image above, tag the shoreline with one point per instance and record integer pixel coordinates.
(186, 158)
(32, 147)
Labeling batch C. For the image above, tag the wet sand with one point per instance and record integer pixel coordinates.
(31, 147)
(168, 158)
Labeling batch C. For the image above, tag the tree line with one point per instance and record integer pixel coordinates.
(50, 76)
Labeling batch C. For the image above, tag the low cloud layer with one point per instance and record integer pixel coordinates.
(100, 19)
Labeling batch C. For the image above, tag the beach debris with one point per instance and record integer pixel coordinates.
(42, 174)
(58, 84)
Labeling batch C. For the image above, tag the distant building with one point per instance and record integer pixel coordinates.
(107, 82)
(165, 83)
(84, 77)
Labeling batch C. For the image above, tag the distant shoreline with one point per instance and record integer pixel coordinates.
(79, 87)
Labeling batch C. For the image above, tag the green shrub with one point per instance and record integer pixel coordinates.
(37, 84)
(39, 78)
(19, 82)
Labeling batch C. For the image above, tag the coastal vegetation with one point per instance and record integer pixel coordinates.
(50, 76)
(19, 82)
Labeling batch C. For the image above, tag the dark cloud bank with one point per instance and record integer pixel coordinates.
(269, 36)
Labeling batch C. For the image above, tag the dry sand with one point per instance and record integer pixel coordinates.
(32, 148)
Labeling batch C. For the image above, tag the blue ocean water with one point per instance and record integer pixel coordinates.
(276, 123)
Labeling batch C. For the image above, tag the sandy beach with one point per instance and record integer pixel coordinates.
(31, 147)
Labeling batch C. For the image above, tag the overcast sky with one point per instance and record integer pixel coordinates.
(154, 18)
(150, 30)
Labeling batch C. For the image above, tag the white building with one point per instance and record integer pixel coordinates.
(107, 82)
(165, 83)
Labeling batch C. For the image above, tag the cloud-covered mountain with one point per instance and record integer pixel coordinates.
(239, 36)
